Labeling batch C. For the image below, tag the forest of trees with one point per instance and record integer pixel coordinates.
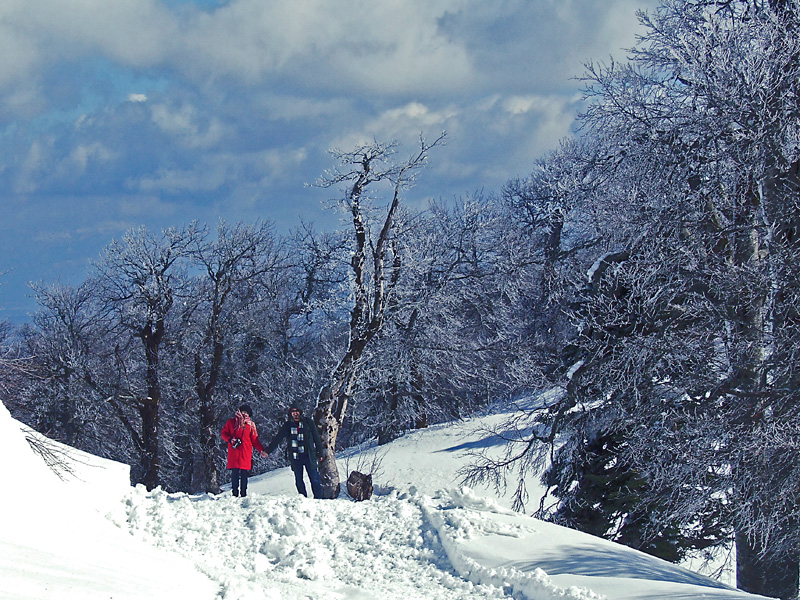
(145, 360)
(645, 274)
(676, 276)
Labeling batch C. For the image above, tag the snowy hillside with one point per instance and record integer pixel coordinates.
(421, 536)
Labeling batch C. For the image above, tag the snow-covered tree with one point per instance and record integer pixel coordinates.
(440, 352)
(685, 331)
(138, 278)
(63, 393)
(235, 271)
(363, 171)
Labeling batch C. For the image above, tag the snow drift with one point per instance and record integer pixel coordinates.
(90, 535)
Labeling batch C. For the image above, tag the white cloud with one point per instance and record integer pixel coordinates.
(32, 166)
(293, 107)
(224, 171)
(403, 124)
(138, 207)
(23, 101)
(360, 45)
(517, 105)
(17, 53)
(176, 181)
(422, 47)
(279, 162)
(134, 32)
(81, 155)
(185, 123)
(56, 237)
(111, 227)
(391, 45)
(210, 106)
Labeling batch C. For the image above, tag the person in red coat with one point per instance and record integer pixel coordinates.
(241, 435)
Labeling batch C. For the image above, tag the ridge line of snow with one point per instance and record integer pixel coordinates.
(534, 585)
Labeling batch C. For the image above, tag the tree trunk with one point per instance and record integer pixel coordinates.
(149, 409)
(208, 417)
(150, 461)
(417, 395)
(208, 439)
(328, 426)
(186, 474)
(758, 570)
(328, 470)
(389, 428)
(328, 415)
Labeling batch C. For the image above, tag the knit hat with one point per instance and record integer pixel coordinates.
(293, 409)
(245, 408)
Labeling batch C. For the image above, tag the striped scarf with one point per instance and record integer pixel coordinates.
(243, 420)
(297, 439)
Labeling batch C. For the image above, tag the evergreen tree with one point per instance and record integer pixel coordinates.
(600, 492)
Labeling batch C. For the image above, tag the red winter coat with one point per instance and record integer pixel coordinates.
(241, 457)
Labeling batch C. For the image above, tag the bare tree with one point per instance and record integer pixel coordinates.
(138, 276)
(372, 271)
(235, 267)
(67, 347)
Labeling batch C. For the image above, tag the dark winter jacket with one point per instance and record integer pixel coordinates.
(301, 438)
(241, 457)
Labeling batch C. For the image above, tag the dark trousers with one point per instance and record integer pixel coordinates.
(313, 475)
(239, 481)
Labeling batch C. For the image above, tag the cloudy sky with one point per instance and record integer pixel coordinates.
(120, 113)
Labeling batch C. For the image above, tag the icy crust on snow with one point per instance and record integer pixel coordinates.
(391, 547)
(458, 517)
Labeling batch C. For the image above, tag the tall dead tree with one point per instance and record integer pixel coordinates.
(373, 274)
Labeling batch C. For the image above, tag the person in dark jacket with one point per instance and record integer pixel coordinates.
(241, 435)
(303, 447)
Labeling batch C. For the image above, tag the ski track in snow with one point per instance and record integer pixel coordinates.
(272, 547)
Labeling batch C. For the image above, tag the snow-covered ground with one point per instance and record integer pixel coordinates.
(422, 536)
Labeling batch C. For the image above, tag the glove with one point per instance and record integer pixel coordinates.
(236, 442)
